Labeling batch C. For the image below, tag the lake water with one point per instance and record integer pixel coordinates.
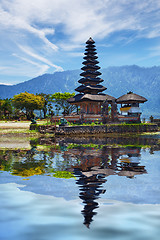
(81, 189)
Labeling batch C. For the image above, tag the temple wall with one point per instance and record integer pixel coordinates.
(96, 117)
(98, 129)
(78, 118)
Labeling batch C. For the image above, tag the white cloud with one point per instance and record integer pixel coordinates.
(38, 57)
(76, 54)
(8, 84)
(154, 51)
(41, 67)
(2, 68)
(81, 19)
(53, 26)
(70, 47)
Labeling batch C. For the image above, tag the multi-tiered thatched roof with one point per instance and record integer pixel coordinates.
(90, 88)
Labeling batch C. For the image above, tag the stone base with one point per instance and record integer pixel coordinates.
(98, 129)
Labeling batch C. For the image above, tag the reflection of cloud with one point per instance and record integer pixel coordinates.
(115, 218)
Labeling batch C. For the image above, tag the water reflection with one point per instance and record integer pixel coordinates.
(90, 161)
(90, 189)
(95, 165)
(90, 164)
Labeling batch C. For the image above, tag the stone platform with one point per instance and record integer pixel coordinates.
(98, 129)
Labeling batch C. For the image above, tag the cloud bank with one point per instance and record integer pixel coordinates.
(47, 29)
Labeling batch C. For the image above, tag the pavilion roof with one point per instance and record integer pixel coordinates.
(131, 97)
(91, 97)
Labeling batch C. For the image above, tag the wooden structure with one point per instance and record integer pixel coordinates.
(130, 110)
(90, 98)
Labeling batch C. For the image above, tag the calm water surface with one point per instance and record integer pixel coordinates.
(81, 189)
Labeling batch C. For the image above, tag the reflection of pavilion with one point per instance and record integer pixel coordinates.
(95, 165)
(129, 163)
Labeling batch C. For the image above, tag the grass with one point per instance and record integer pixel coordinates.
(18, 132)
(101, 146)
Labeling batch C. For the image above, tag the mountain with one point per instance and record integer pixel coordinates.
(118, 80)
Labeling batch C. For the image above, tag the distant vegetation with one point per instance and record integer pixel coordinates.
(23, 105)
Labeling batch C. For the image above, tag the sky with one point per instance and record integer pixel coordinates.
(44, 36)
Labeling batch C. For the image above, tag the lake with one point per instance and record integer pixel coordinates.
(81, 188)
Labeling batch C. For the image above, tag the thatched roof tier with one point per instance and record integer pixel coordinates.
(88, 47)
(90, 88)
(90, 73)
(91, 97)
(90, 67)
(90, 53)
(90, 61)
(90, 57)
(90, 41)
(131, 97)
(91, 80)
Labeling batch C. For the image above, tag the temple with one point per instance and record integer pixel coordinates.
(90, 98)
(92, 104)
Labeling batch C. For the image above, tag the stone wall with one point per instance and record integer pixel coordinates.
(98, 129)
(157, 121)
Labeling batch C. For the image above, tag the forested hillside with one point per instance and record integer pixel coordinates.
(118, 80)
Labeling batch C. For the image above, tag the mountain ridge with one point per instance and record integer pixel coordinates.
(118, 80)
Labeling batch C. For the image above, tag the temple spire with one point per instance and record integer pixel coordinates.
(90, 81)
(90, 97)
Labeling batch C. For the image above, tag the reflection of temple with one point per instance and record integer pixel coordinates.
(90, 189)
(94, 165)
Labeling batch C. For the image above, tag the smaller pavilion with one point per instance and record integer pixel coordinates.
(130, 106)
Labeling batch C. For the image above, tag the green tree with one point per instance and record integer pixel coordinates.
(60, 100)
(47, 104)
(6, 108)
(28, 102)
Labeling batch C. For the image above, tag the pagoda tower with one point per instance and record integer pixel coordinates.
(90, 81)
(90, 97)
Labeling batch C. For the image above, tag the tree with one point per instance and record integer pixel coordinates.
(60, 100)
(6, 107)
(47, 104)
(28, 102)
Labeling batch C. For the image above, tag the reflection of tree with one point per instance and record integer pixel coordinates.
(29, 166)
(6, 159)
(89, 192)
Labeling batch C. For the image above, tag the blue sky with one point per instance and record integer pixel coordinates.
(44, 36)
